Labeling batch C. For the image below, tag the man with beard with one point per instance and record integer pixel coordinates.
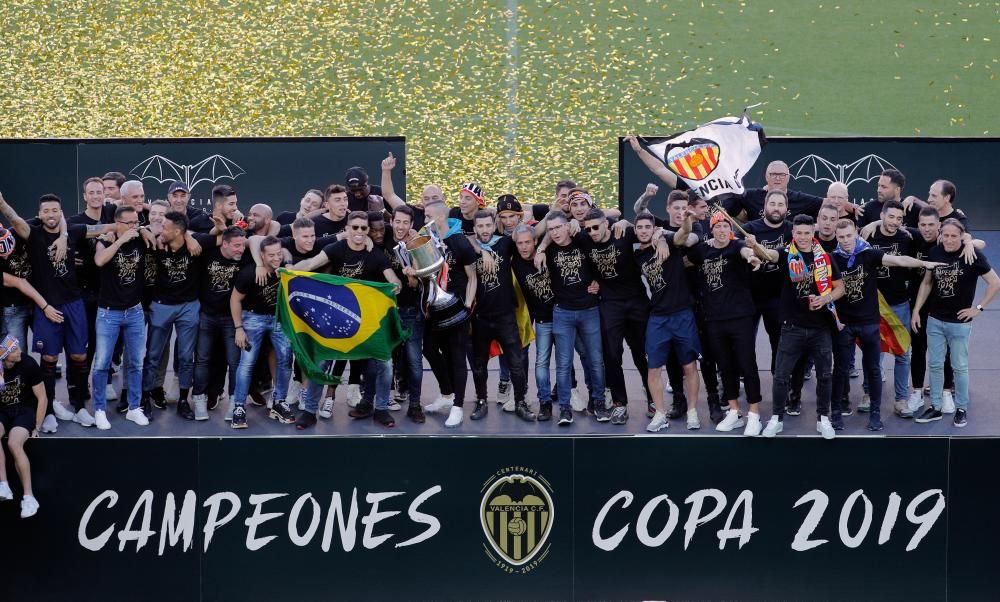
(179, 199)
(889, 188)
(224, 207)
(259, 222)
(495, 316)
(810, 284)
(362, 196)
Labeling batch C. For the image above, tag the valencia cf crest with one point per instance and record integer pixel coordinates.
(517, 514)
(693, 160)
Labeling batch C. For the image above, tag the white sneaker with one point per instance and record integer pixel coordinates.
(947, 402)
(774, 426)
(730, 422)
(229, 412)
(49, 425)
(393, 405)
(454, 417)
(61, 412)
(137, 417)
(866, 403)
(441, 403)
(29, 506)
(915, 402)
(326, 410)
(658, 423)
(608, 404)
(692, 422)
(110, 393)
(670, 389)
(504, 394)
(823, 427)
(753, 425)
(294, 391)
(353, 395)
(5, 493)
(508, 406)
(101, 419)
(83, 418)
(577, 402)
(200, 403)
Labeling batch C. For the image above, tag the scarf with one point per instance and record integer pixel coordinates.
(822, 273)
(860, 245)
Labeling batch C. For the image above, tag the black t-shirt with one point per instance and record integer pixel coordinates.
(495, 290)
(408, 296)
(288, 243)
(615, 268)
(122, 278)
(373, 202)
(56, 281)
(468, 225)
(19, 379)
(859, 305)
(286, 217)
(893, 282)
(538, 212)
(177, 276)
(201, 223)
(959, 215)
(954, 284)
(87, 273)
(767, 281)
(752, 202)
(324, 226)
(536, 287)
(217, 275)
(458, 254)
(920, 250)
(828, 245)
(667, 281)
(873, 212)
(259, 299)
(723, 278)
(571, 273)
(16, 264)
(360, 265)
(795, 295)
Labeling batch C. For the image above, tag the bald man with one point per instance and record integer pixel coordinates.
(260, 222)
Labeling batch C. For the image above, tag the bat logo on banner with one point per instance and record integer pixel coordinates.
(517, 514)
(210, 169)
(817, 169)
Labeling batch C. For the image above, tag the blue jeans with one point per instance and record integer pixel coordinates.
(951, 337)
(567, 325)
(162, 319)
(309, 400)
(131, 325)
(256, 327)
(15, 323)
(412, 360)
(901, 371)
(378, 381)
(210, 327)
(843, 359)
(543, 353)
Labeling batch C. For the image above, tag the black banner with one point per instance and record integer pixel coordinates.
(816, 162)
(513, 518)
(276, 171)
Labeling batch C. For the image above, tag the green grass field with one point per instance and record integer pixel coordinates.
(513, 94)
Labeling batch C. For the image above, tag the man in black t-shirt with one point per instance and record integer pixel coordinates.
(810, 284)
(470, 200)
(950, 291)
(225, 205)
(22, 408)
(495, 317)
(858, 310)
(120, 259)
(16, 307)
(335, 219)
(179, 198)
(253, 307)
(889, 188)
(57, 281)
(310, 205)
(362, 196)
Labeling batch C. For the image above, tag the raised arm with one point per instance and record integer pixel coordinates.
(16, 222)
(652, 163)
(642, 203)
(388, 191)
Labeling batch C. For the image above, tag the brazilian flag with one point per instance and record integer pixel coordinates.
(334, 318)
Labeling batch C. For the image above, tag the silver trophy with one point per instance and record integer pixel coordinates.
(442, 309)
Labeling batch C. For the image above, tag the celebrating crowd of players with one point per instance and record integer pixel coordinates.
(685, 289)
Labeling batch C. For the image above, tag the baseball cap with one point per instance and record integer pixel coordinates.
(356, 176)
(178, 185)
(476, 191)
(507, 203)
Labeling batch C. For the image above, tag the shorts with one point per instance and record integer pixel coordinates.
(15, 415)
(50, 338)
(676, 331)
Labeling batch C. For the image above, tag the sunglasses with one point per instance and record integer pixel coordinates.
(592, 228)
(356, 227)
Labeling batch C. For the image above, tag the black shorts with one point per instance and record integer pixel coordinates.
(17, 414)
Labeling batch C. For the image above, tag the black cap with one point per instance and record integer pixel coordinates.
(356, 176)
(177, 185)
(508, 202)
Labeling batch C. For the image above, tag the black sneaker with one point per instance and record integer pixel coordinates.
(416, 414)
(961, 418)
(122, 404)
(239, 418)
(619, 414)
(679, 408)
(147, 406)
(599, 411)
(794, 407)
(545, 411)
(523, 412)
(213, 402)
(304, 421)
(930, 415)
(715, 413)
(384, 418)
(650, 409)
(281, 412)
(158, 398)
(482, 409)
(837, 420)
(364, 409)
(184, 410)
(875, 424)
(565, 416)
(846, 409)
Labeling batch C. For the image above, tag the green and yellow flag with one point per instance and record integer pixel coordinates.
(333, 318)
